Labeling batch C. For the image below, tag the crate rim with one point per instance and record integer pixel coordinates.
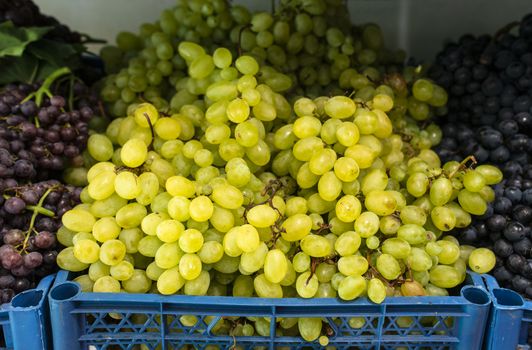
(75, 294)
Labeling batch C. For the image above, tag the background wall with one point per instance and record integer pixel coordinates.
(420, 26)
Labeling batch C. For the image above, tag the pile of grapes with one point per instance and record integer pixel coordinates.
(242, 193)
(490, 116)
(41, 133)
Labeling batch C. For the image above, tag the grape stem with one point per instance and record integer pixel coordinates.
(36, 211)
(151, 130)
(45, 87)
(34, 208)
(462, 166)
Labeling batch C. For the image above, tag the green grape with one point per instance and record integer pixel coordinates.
(227, 196)
(376, 290)
(443, 218)
(450, 252)
(322, 161)
(97, 270)
(247, 238)
(491, 174)
(149, 187)
(86, 251)
(347, 243)
(190, 241)
(413, 234)
(251, 262)
(102, 186)
(170, 281)
(347, 134)
(190, 266)
(472, 202)
(417, 184)
(380, 202)
(149, 245)
(100, 147)
(122, 271)
(481, 260)
(306, 126)
(412, 214)
(67, 261)
(307, 285)
(106, 284)
(198, 286)
(137, 283)
(112, 252)
(211, 252)
(352, 265)
(262, 216)
(367, 224)
(351, 287)
(296, 227)
(441, 191)
(423, 90)
(348, 208)
(316, 246)
(201, 208)
(301, 262)
(443, 276)
(473, 181)
(329, 186)
(133, 153)
(396, 247)
(105, 229)
(275, 266)
(340, 107)
(309, 328)
(388, 267)
(126, 185)
(267, 289)
(419, 260)
(131, 215)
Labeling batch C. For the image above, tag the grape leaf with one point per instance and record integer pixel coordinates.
(13, 40)
(56, 53)
(18, 69)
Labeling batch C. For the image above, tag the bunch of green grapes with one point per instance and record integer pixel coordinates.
(242, 193)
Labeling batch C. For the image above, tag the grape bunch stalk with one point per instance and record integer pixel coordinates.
(246, 194)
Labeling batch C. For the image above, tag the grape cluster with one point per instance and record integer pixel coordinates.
(24, 13)
(39, 140)
(490, 116)
(29, 217)
(311, 42)
(243, 193)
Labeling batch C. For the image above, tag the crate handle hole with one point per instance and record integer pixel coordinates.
(28, 298)
(506, 297)
(65, 291)
(476, 295)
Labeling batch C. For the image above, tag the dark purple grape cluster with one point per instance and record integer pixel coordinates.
(489, 81)
(38, 142)
(29, 217)
(24, 13)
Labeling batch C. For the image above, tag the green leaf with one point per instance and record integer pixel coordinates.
(13, 40)
(18, 69)
(55, 53)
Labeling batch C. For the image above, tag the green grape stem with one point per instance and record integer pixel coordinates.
(45, 87)
(37, 211)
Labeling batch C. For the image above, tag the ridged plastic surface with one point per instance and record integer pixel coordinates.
(80, 320)
(510, 321)
(25, 321)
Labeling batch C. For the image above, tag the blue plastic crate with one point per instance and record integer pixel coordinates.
(25, 321)
(81, 320)
(510, 321)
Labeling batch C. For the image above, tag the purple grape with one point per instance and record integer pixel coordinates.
(44, 240)
(33, 260)
(14, 205)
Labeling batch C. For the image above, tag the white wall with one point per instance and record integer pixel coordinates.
(420, 26)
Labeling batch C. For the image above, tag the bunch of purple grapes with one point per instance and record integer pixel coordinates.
(38, 142)
(489, 80)
(29, 217)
